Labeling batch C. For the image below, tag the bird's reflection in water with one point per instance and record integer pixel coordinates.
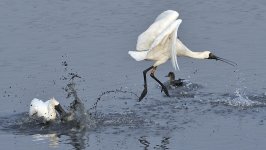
(76, 139)
(147, 145)
(143, 140)
(164, 143)
(53, 139)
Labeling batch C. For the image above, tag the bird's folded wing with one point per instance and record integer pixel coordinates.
(162, 22)
(170, 33)
(173, 49)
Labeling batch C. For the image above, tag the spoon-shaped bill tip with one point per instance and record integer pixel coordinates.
(227, 61)
(212, 56)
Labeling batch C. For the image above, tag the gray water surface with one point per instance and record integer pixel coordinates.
(42, 42)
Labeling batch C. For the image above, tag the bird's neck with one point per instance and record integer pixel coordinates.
(197, 55)
(182, 50)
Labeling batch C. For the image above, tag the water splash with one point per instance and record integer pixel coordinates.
(241, 99)
(94, 107)
(77, 112)
(240, 96)
(78, 115)
(186, 90)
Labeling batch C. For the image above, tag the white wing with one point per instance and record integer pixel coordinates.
(173, 48)
(146, 38)
(171, 33)
(165, 14)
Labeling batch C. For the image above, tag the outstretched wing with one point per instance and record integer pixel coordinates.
(170, 33)
(162, 22)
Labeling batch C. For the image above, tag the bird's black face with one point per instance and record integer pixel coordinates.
(60, 110)
(212, 56)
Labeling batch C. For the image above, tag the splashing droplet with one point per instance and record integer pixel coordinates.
(240, 99)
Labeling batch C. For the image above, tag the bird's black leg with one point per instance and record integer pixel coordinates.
(144, 92)
(163, 87)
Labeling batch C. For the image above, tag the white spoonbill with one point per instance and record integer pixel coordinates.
(45, 110)
(160, 43)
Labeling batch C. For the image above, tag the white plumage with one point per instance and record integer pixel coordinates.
(146, 38)
(160, 43)
(45, 110)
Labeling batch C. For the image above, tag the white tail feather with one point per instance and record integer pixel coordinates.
(138, 55)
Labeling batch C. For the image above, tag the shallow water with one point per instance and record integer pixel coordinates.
(43, 44)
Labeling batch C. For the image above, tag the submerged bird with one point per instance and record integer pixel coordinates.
(45, 110)
(173, 82)
(160, 43)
